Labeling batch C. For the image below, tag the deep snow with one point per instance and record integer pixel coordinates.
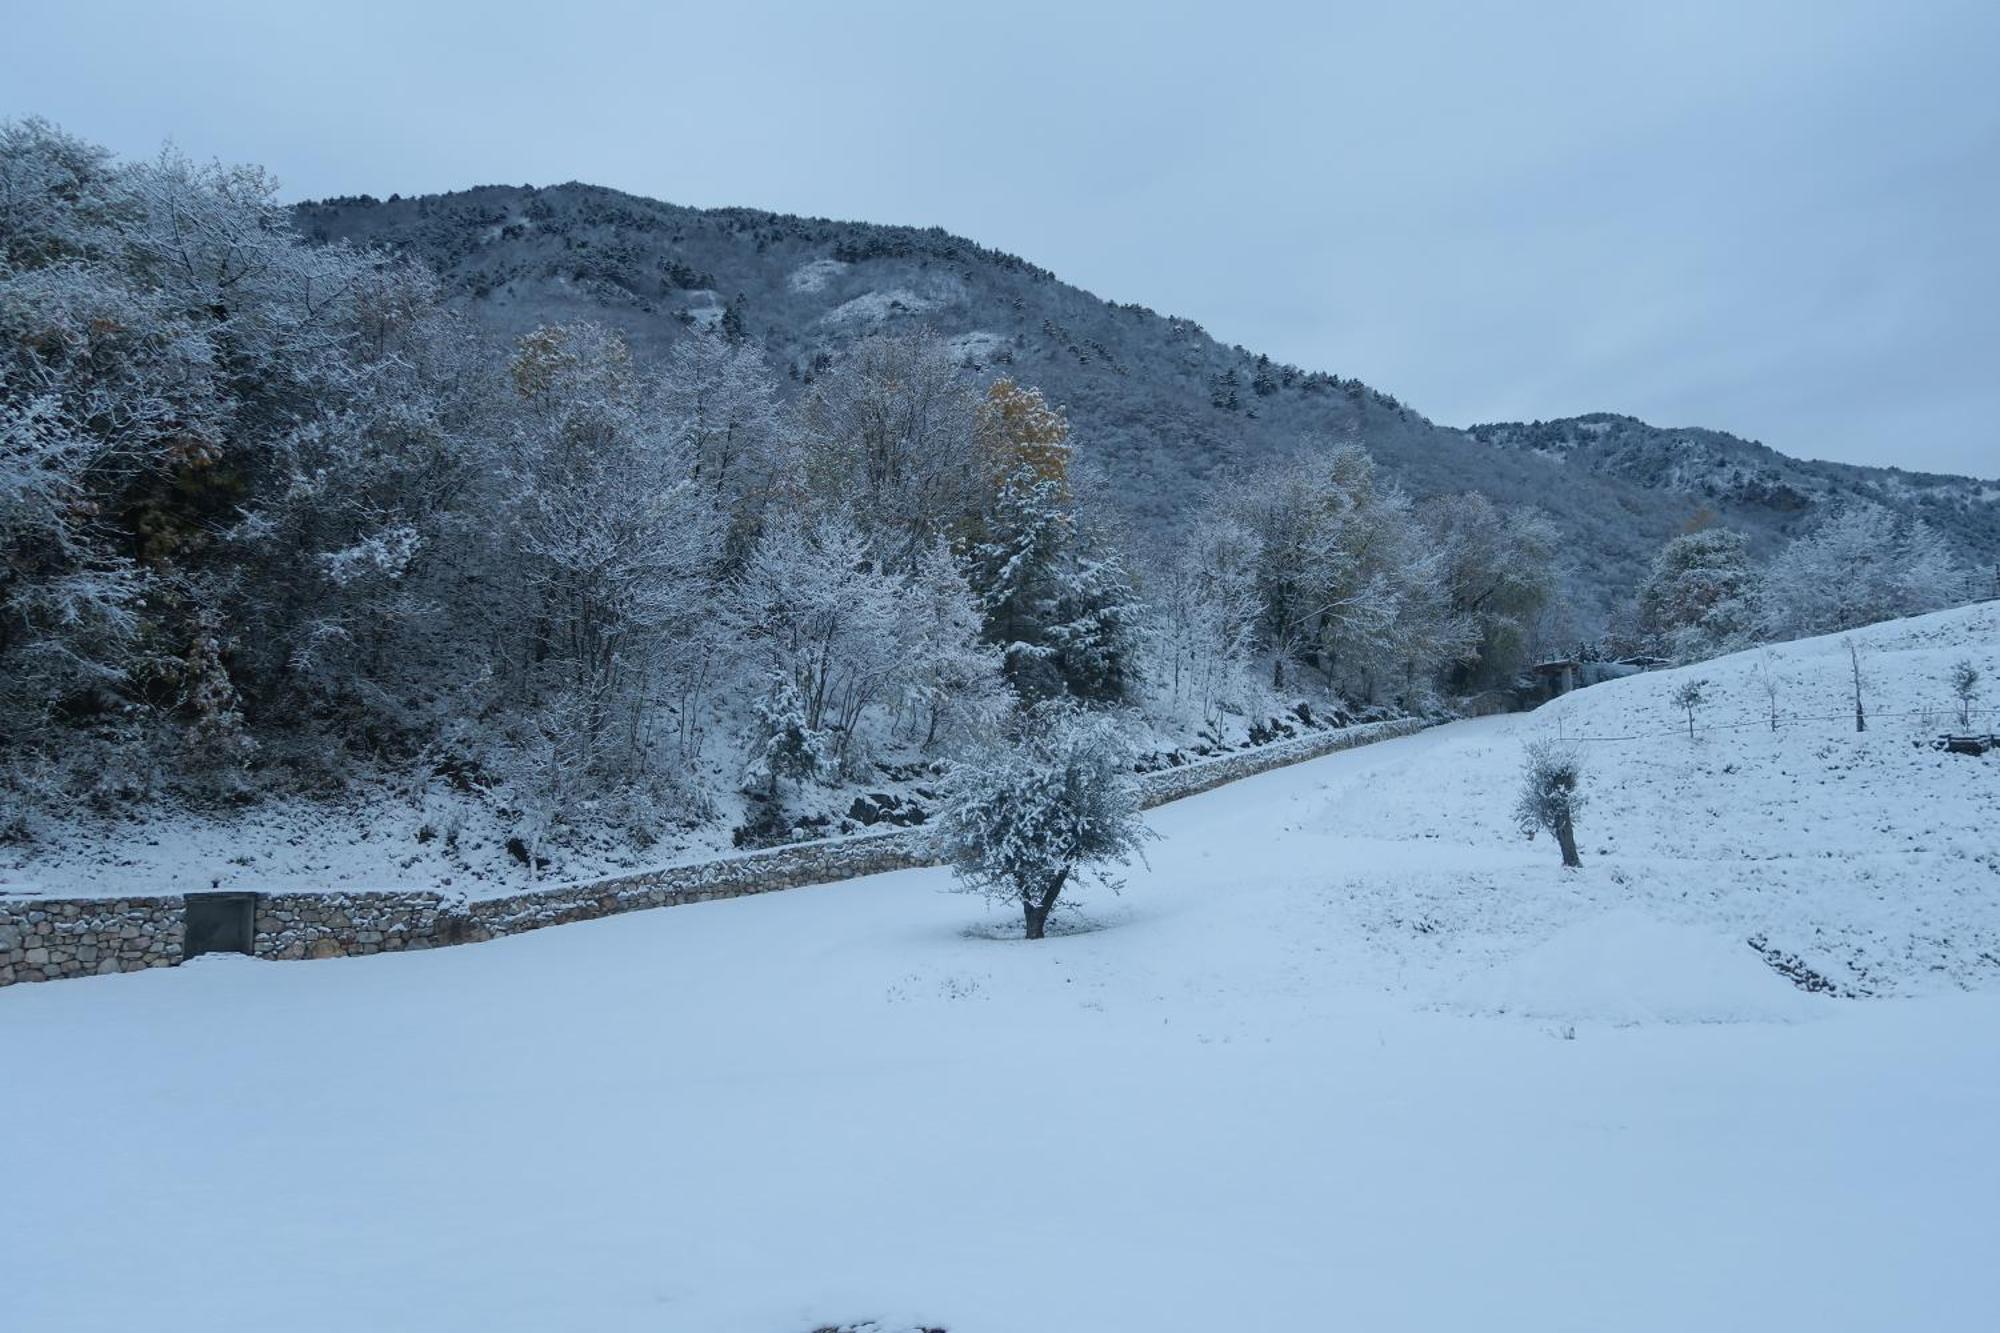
(1246, 1094)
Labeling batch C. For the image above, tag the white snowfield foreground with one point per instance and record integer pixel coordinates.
(1350, 1054)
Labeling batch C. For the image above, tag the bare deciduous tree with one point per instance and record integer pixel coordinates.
(1767, 677)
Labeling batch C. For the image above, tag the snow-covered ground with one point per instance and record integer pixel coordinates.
(1349, 1054)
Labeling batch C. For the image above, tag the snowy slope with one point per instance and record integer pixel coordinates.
(1871, 857)
(1264, 1088)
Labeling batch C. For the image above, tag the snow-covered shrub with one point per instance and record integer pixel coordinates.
(784, 743)
(1025, 817)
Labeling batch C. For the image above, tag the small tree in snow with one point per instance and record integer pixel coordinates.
(1552, 795)
(1965, 688)
(1023, 819)
(1689, 698)
(1767, 677)
(785, 744)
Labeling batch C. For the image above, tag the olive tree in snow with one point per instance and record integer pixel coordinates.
(1027, 817)
(1552, 795)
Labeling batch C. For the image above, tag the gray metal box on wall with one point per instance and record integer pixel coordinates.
(220, 923)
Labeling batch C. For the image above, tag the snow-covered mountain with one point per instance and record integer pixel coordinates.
(1162, 406)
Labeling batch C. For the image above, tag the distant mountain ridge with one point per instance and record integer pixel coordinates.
(1721, 469)
(1162, 407)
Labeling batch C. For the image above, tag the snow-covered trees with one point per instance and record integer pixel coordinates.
(721, 404)
(889, 435)
(1027, 817)
(1552, 795)
(952, 685)
(1701, 598)
(218, 446)
(815, 610)
(269, 512)
(1499, 574)
(1347, 583)
(616, 540)
(1859, 565)
(1057, 598)
(1206, 610)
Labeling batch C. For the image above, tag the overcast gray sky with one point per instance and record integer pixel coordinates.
(1781, 220)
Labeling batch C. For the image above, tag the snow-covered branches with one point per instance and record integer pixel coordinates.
(1689, 697)
(1350, 586)
(1024, 819)
(1552, 795)
(1860, 565)
(1702, 597)
(1964, 681)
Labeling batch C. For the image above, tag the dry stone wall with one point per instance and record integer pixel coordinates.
(47, 939)
(43, 940)
(1171, 784)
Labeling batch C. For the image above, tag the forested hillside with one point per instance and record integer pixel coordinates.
(276, 521)
(1162, 407)
(641, 529)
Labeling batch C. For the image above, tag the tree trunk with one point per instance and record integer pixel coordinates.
(1035, 907)
(1566, 839)
(1854, 661)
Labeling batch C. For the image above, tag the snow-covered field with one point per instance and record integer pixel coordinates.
(1349, 1054)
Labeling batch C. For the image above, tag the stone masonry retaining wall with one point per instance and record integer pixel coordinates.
(46, 939)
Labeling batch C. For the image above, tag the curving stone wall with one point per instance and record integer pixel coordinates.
(48, 939)
(1171, 784)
